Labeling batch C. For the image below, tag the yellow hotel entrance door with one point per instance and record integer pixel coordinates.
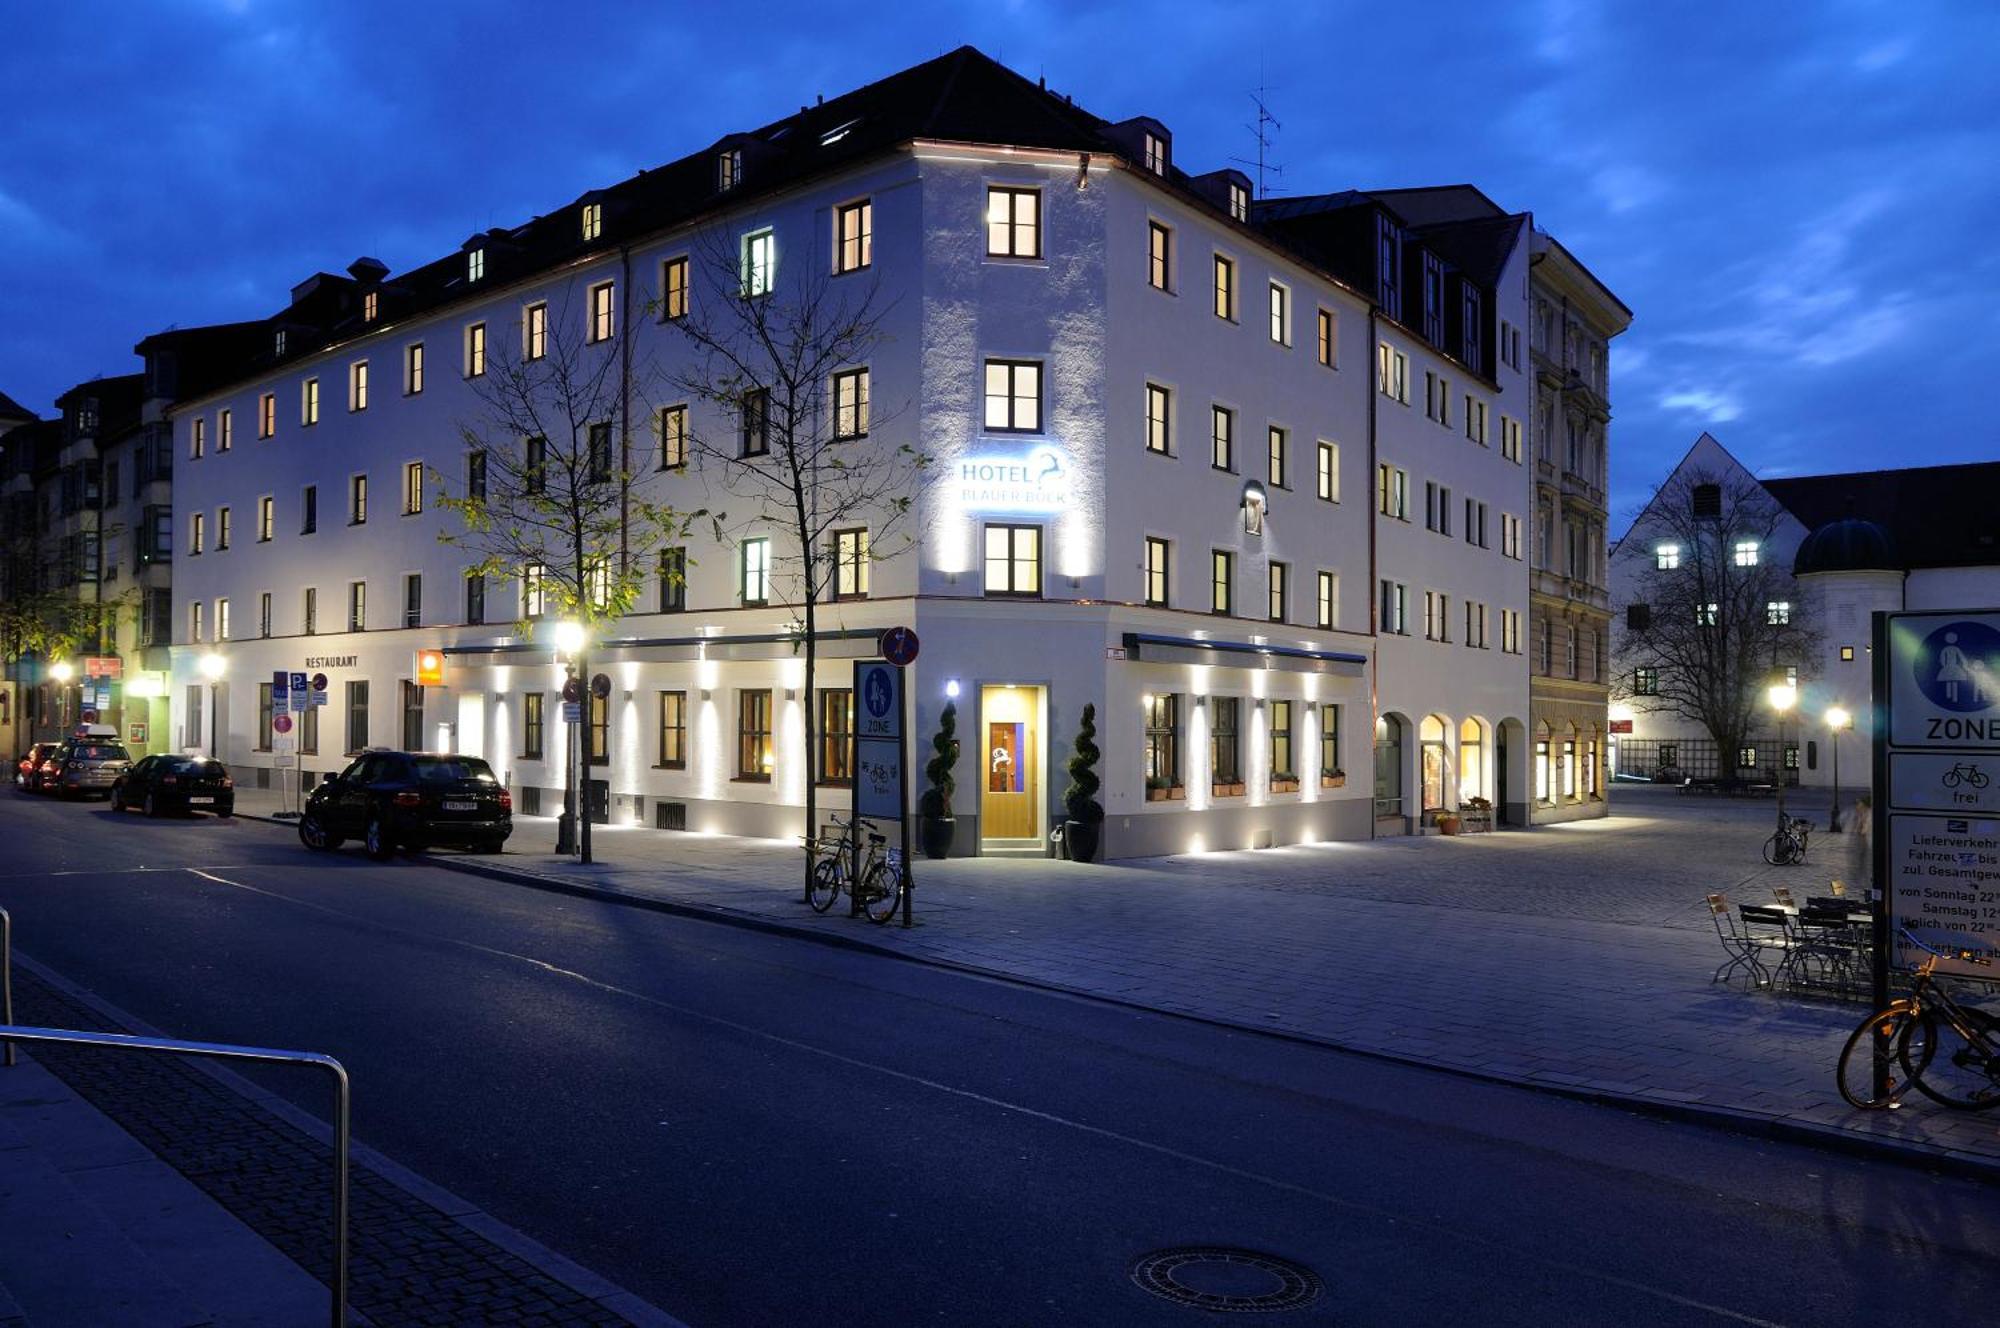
(1010, 794)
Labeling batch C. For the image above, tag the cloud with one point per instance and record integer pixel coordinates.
(1705, 404)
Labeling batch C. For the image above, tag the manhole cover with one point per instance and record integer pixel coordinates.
(1211, 1278)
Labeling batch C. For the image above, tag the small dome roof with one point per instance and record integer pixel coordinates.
(1851, 544)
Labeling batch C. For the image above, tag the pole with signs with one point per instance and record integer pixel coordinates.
(882, 758)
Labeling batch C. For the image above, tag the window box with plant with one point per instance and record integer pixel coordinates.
(1284, 781)
(1230, 790)
(1164, 790)
(1332, 778)
(1478, 814)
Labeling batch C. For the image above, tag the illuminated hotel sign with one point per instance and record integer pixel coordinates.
(1035, 481)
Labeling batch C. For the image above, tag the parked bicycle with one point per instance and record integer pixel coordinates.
(1787, 845)
(875, 879)
(1930, 1040)
(1967, 773)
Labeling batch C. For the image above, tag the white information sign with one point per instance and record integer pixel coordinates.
(301, 695)
(1944, 872)
(878, 696)
(1944, 680)
(878, 778)
(1944, 782)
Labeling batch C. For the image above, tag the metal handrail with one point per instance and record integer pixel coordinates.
(12, 1033)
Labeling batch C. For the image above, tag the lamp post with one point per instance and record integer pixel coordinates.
(213, 666)
(1783, 697)
(62, 671)
(1837, 719)
(569, 641)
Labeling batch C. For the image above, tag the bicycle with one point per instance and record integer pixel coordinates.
(1966, 772)
(1912, 1034)
(1787, 845)
(876, 883)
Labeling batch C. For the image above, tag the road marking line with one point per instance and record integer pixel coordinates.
(1224, 1168)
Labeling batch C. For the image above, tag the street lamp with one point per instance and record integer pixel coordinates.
(62, 671)
(1783, 697)
(570, 639)
(1837, 719)
(212, 667)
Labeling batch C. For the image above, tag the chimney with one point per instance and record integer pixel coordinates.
(368, 271)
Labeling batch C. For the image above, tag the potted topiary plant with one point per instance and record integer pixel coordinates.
(935, 823)
(1085, 825)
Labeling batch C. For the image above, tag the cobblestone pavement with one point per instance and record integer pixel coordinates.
(411, 1263)
(1577, 956)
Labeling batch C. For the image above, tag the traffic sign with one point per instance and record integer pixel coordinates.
(281, 724)
(281, 690)
(878, 778)
(572, 712)
(1944, 680)
(572, 691)
(899, 646)
(880, 690)
(319, 689)
(301, 696)
(600, 687)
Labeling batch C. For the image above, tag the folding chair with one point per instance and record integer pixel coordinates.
(1741, 950)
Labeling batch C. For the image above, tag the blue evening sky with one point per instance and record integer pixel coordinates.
(1795, 199)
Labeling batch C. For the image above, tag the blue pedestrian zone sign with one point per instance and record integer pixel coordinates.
(880, 687)
(1944, 684)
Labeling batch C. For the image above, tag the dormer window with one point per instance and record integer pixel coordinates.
(1156, 154)
(475, 265)
(371, 304)
(728, 169)
(1239, 202)
(593, 220)
(278, 344)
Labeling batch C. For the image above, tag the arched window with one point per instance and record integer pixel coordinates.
(1569, 762)
(1471, 762)
(1388, 766)
(1591, 769)
(1544, 776)
(1437, 760)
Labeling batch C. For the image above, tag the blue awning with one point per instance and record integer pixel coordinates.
(1242, 655)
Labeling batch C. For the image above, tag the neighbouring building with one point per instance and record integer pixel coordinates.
(1246, 475)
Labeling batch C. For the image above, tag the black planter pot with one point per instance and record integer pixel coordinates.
(1081, 839)
(934, 835)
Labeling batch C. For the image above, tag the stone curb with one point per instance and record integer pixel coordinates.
(1659, 1103)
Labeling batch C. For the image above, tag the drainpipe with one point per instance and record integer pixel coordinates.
(1374, 577)
(625, 410)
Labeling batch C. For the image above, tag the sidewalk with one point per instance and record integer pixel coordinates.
(1573, 957)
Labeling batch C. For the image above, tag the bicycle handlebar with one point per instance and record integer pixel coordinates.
(1964, 956)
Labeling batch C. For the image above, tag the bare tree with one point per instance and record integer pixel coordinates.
(1714, 622)
(781, 354)
(547, 497)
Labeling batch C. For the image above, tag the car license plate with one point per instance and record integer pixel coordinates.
(461, 806)
(201, 799)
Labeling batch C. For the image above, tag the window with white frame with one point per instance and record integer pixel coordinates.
(1013, 222)
(593, 220)
(1510, 439)
(850, 404)
(197, 438)
(195, 629)
(1510, 536)
(222, 529)
(1222, 437)
(197, 532)
(357, 385)
(1156, 153)
(1510, 631)
(1708, 615)
(357, 606)
(754, 587)
(267, 415)
(1392, 373)
(535, 331)
(728, 169)
(1328, 601)
(534, 596)
(413, 368)
(853, 236)
(475, 350)
(1159, 255)
(1328, 479)
(1014, 396)
(309, 401)
(1666, 557)
(1013, 559)
(674, 288)
(1437, 616)
(1281, 314)
(1392, 491)
(475, 264)
(266, 519)
(850, 564)
(225, 432)
(1159, 419)
(1746, 553)
(1239, 202)
(601, 310)
(1225, 287)
(1777, 613)
(1159, 571)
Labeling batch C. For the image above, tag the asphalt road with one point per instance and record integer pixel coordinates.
(751, 1129)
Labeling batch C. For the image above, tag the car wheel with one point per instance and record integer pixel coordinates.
(314, 834)
(152, 804)
(381, 845)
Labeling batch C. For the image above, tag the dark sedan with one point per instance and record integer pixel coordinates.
(28, 771)
(392, 800)
(163, 783)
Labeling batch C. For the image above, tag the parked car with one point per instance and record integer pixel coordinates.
(392, 800)
(28, 770)
(89, 765)
(165, 783)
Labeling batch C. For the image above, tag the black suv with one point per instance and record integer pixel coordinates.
(409, 800)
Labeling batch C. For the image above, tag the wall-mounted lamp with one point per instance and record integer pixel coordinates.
(951, 689)
(706, 693)
(791, 693)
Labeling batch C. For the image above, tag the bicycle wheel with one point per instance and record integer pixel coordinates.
(825, 884)
(881, 892)
(1798, 849)
(1856, 1071)
(1776, 851)
(1952, 1071)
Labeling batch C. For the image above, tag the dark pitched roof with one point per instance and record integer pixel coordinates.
(1477, 248)
(1428, 205)
(11, 409)
(1935, 516)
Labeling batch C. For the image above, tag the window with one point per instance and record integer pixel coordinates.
(1475, 625)
(1475, 420)
(1777, 613)
(1395, 608)
(850, 564)
(194, 621)
(1437, 616)
(1225, 765)
(535, 331)
(755, 586)
(1510, 631)
(309, 401)
(1392, 373)
(1392, 491)
(1327, 481)
(1510, 536)
(836, 736)
(1013, 560)
(264, 614)
(1746, 758)
(601, 310)
(673, 437)
(1221, 582)
(475, 473)
(1280, 446)
(673, 730)
(850, 404)
(357, 606)
(475, 264)
(1705, 500)
(1510, 439)
(1159, 420)
(1645, 682)
(222, 527)
(597, 729)
(413, 600)
(197, 531)
(1666, 557)
(853, 236)
(1159, 256)
(673, 580)
(1282, 767)
(475, 350)
(1437, 507)
(535, 464)
(1013, 222)
(1014, 396)
(309, 613)
(759, 264)
(1746, 553)
(1156, 154)
(222, 620)
(597, 453)
(1329, 741)
(1281, 315)
(225, 435)
(267, 414)
(265, 517)
(197, 439)
(1475, 522)
(1638, 617)
(1329, 600)
(1225, 287)
(475, 598)
(753, 735)
(593, 220)
(263, 716)
(597, 581)
(534, 599)
(357, 385)
(357, 500)
(1222, 437)
(1847, 654)
(1159, 571)
(413, 368)
(309, 509)
(531, 726)
(413, 716)
(728, 169)
(1239, 202)
(278, 344)
(1279, 579)
(754, 425)
(1327, 340)
(357, 717)
(1163, 740)
(413, 487)
(674, 288)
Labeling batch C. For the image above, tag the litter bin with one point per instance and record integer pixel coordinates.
(597, 800)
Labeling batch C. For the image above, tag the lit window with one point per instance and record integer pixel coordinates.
(593, 220)
(1281, 322)
(754, 428)
(1159, 419)
(728, 168)
(1221, 581)
(1156, 154)
(194, 621)
(1746, 553)
(357, 385)
(413, 368)
(1847, 654)
(1666, 557)
(265, 520)
(197, 531)
(225, 431)
(1239, 202)
(1279, 452)
(759, 263)
(673, 730)
(1225, 754)
(1160, 255)
(674, 288)
(475, 350)
(673, 437)
(222, 620)
(1013, 560)
(850, 564)
(1328, 339)
(1014, 396)
(278, 344)
(1225, 287)
(1013, 222)
(1392, 373)
(1329, 600)
(1159, 556)
(755, 586)
(1329, 471)
(1280, 586)
(853, 236)
(475, 265)
(413, 487)
(1707, 615)
(1281, 743)
(1510, 439)
(357, 500)
(309, 401)
(371, 304)
(534, 599)
(753, 734)
(197, 439)
(1222, 437)
(1392, 491)
(267, 414)
(1777, 613)
(357, 606)
(601, 311)
(1646, 682)
(850, 404)
(535, 331)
